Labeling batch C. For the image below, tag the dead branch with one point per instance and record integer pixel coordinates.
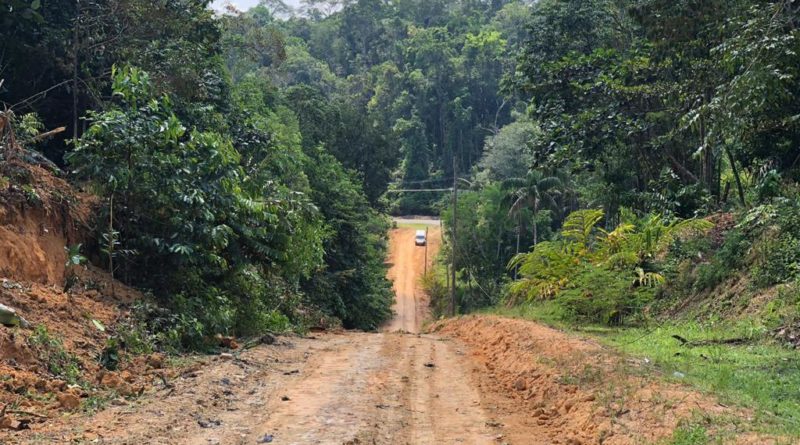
(49, 134)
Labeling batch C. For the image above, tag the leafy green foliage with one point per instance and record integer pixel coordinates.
(666, 113)
(599, 276)
(352, 286)
(775, 235)
(74, 256)
(185, 201)
(243, 166)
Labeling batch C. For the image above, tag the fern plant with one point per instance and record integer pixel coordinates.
(583, 250)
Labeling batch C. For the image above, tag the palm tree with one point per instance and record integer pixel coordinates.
(535, 192)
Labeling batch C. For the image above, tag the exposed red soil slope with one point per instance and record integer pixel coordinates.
(574, 391)
(40, 215)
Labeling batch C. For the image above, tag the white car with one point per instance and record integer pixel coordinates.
(421, 238)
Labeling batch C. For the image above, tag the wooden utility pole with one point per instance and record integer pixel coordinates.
(426, 250)
(453, 255)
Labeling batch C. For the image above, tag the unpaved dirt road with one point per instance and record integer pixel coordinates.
(386, 388)
(408, 263)
(393, 387)
(482, 380)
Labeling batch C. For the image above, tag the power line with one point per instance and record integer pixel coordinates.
(419, 190)
(422, 181)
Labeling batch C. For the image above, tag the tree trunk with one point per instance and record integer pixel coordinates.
(535, 224)
(499, 241)
(736, 175)
(519, 230)
(111, 239)
(75, 46)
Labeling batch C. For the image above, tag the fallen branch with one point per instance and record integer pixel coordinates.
(724, 341)
(27, 413)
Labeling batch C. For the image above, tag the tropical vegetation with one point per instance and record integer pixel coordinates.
(245, 161)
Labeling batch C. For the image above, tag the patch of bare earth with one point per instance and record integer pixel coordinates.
(554, 388)
(50, 365)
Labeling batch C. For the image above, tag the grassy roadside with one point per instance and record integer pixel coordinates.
(415, 226)
(757, 374)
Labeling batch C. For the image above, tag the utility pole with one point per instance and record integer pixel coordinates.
(453, 256)
(426, 250)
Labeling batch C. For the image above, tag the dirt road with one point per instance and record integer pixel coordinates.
(481, 380)
(408, 263)
(395, 387)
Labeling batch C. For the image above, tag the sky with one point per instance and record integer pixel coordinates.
(244, 5)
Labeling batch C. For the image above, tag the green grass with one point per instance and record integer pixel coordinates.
(688, 434)
(546, 313)
(416, 226)
(759, 375)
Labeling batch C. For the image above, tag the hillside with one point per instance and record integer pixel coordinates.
(69, 313)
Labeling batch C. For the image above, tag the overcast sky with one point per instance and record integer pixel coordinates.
(247, 4)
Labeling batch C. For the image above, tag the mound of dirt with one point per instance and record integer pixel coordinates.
(54, 364)
(576, 391)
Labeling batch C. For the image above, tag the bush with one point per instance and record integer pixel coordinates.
(774, 230)
(600, 276)
(779, 260)
(598, 295)
(436, 289)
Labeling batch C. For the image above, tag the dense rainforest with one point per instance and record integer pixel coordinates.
(245, 161)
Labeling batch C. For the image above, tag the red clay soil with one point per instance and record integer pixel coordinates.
(561, 389)
(28, 387)
(407, 267)
(40, 215)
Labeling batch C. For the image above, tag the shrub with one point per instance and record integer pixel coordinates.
(435, 288)
(779, 260)
(598, 295)
(600, 276)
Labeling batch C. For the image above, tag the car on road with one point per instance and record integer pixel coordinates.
(421, 238)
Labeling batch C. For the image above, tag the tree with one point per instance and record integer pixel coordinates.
(536, 192)
(506, 155)
(193, 212)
